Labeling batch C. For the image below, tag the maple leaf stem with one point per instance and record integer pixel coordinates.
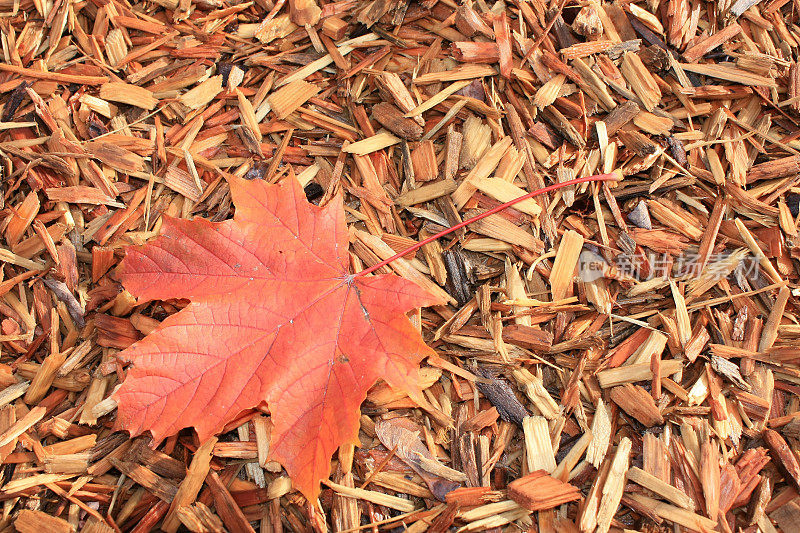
(537, 192)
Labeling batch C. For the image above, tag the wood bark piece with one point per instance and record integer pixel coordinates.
(501, 395)
(392, 118)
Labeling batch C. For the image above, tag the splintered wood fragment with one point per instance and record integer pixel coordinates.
(35, 480)
(163, 488)
(783, 456)
(75, 381)
(391, 83)
(475, 52)
(661, 488)
(116, 157)
(78, 444)
(290, 97)
(633, 373)
(763, 260)
(334, 27)
(572, 458)
(671, 513)
(503, 191)
(483, 168)
(538, 491)
(438, 98)
(379, 498)
(73, 463)
(183, 183)
(638, 403)
(563, 126)
(547, 93)
(503, 39)
(499, 228)
(126, 93)
(591, 82)
(44, 378)
(704, 46)
(8, 256)
(423, 161)
(371, 144)
(462, 72)
(787, 516)
(22, 425)
(538, 445)
(473, 496)
(614, 485)
(198, 518)
(11, 393)
(770, 332)
(621, 115)
(203, 93)
(680, 220)
(54, 76)
(190, 486)
(740, 6)
(28, 521)
(640, 79)
(21, 218)
(724, 72)
(392, 118)
(682, 319)
(529, 337)
(496, 520)
(561, 277)
(426, 193)
(774, 169)
(710, 477)
(230, 513)
(601, 433)
(248, 115)
(588, 512)
(488, 510)
(275, 28)
(535, 391)
(81, 194)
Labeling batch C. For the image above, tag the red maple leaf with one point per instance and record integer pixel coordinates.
(276, 317)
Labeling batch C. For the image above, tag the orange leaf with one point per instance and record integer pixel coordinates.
(275, 316)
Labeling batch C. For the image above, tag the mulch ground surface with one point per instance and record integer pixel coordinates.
(615, 356)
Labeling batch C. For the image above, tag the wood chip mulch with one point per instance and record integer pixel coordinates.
(618, 356)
